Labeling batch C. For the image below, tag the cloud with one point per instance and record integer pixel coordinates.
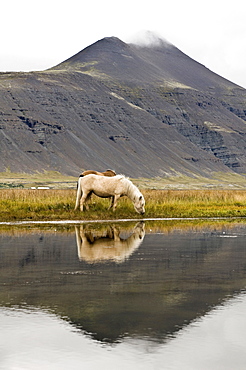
(148, 38)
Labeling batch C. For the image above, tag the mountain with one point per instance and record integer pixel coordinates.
(144, 111)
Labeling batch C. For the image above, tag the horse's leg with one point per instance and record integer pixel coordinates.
(116, 197)
(87, 201)
(111, 203)
(116, 234)
(83, 201)
(79, 239)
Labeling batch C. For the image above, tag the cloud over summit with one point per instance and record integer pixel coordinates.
(148, 39)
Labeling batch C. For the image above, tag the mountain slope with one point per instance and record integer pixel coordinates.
(143, 111)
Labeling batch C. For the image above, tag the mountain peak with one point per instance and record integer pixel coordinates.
(96, 51)
(111, 39)
(109, 44)
(114, 104)
(149, 59)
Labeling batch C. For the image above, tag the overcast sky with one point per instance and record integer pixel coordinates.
(36, 35)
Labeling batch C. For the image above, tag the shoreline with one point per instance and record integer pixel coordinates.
(72, 222)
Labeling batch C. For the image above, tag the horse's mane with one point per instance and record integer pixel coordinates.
(130, 187)
(120, 177)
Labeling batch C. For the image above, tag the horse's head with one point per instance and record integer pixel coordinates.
(139, 204)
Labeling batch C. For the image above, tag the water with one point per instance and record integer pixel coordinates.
(166, 295)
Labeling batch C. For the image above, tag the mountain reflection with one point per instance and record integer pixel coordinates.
(130, 280)
(107, 245)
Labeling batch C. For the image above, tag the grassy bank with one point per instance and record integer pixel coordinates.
(27, 204)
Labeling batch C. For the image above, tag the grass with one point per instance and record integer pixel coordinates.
(196, 203)
(58, 204)
(52, 179)
(56, 180)
(216, 181)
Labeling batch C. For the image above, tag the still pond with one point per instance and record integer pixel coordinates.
(146, 295)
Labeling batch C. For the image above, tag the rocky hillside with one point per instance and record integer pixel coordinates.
(142, 111)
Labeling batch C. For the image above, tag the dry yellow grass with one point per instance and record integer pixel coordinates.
(26, 204)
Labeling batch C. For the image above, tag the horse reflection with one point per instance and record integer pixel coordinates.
(107, 246)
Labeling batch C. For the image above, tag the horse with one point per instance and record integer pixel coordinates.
(106, 187)
(108, 173)
(94, 247)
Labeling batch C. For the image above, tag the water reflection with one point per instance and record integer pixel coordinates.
(34, 339)
(122, 284)
(107, 245)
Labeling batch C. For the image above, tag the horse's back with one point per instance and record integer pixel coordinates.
(108, 173)
(88, 172)
(103, 179)
(103, 183)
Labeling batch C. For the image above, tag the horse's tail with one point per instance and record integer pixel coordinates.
(81, 175)
(79, 193)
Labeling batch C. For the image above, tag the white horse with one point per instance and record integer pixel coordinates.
(106, 187)
(109, 246)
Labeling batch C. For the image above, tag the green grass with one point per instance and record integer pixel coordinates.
(56, 180)
(26, 204)
(52, 179)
